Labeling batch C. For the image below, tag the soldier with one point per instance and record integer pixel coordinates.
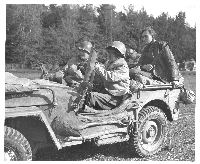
(73, 72)
(157, 61)
(115, 78)
(76, 66)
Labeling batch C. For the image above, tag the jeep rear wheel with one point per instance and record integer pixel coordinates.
(16, 146)
(151, 133)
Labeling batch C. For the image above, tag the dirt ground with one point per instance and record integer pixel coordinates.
(180, 144)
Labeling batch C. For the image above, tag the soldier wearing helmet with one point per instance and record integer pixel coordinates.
(115, 78)
(73, 72)
(76, 66)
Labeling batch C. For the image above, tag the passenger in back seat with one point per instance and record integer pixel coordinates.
(115, 78)
(137, 81)
(157, 61)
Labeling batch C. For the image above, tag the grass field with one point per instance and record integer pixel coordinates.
(180, 144)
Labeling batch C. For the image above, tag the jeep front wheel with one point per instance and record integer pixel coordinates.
(16, 146)
(150, 136)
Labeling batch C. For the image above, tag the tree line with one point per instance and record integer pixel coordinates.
(51, 34)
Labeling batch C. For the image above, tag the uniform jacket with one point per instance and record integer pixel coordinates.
(160, 56)
(115, 76)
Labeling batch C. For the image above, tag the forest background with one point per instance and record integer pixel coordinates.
(51, 34)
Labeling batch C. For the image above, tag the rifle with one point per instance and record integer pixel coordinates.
(86, 84)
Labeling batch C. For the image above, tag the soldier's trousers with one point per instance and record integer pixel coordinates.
(104, 100)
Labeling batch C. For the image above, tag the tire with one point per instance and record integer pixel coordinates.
(151, 133)
(16, 146)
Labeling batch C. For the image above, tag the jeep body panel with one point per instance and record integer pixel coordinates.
(32, 111)
(165, 98)
(47, 103)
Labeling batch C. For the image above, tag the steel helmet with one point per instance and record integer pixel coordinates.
(86, 46)
(119, 46)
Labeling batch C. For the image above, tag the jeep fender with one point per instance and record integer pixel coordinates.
(32, 112)
(164, 99)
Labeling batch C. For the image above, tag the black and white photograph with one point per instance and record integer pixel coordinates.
(100, 81)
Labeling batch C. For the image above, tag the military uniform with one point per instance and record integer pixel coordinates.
(115, 78)
(73, 72)
(161, 58)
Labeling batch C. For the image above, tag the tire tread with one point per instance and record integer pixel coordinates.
(143, 114)
(20, 139)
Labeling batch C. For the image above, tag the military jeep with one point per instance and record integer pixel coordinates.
(40, 113)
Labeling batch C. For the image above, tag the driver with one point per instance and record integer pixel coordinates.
(115, 78)
(73, 72)
(76, 66)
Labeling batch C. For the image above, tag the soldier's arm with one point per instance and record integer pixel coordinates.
(118, 74)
